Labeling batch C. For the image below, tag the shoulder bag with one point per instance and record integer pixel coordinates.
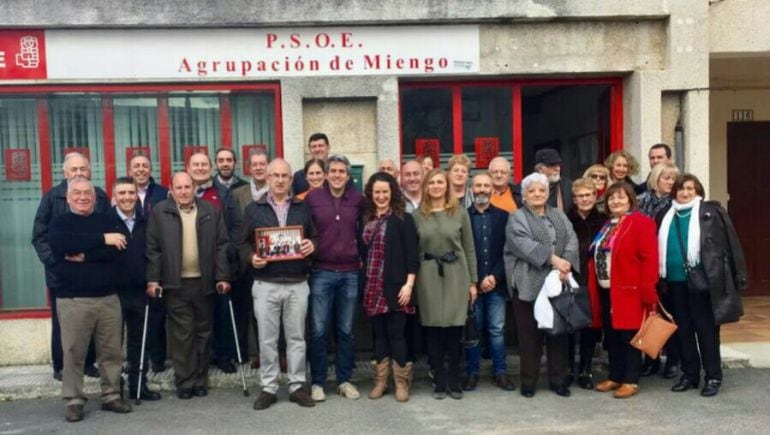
(654, 332)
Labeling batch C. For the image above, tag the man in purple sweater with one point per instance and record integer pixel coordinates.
(336, 210)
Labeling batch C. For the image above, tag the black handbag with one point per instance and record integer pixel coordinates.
(470, 331)
(571, 310)
(697, 281)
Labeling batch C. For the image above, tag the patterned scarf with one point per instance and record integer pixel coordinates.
(374, 238)
(605, 238)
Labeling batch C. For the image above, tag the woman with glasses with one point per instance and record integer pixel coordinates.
(600, 176)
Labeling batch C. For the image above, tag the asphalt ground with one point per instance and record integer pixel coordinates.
(742, 407)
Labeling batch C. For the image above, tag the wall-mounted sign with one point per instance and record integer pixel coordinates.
(743, 115)
(18, 166)
(487, 148)
(22, 55)
(206, 54)
(430, 147)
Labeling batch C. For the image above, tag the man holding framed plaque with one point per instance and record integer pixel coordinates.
(272, 227)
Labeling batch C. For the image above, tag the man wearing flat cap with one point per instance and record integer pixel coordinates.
(548, 163)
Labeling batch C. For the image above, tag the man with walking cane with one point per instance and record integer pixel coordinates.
(132, 278)
(280, 289)
(186, 260)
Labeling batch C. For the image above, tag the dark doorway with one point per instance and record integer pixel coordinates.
(748, 157)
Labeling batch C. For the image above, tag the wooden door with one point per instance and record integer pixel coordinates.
(748, 184)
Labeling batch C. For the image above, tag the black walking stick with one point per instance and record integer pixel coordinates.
(237, 345)
(138, 400)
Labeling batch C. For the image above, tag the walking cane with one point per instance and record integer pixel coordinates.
(237, 345)
(138, 400)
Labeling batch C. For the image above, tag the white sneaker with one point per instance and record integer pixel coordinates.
(317, 393)
(348, 391)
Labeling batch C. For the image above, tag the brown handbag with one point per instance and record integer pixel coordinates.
(654, 333)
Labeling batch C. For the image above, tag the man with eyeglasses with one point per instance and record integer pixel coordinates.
(504, 195)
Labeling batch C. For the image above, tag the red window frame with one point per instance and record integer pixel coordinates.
(108, 92)
(616, 109)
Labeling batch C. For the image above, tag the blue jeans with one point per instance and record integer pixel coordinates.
(338, 292)
(490, 311)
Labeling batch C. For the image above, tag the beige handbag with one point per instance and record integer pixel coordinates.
(654, 333)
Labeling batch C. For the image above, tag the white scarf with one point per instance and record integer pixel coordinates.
(693, 236)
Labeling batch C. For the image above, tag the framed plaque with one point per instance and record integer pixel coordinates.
(279, 243)
(487, 148)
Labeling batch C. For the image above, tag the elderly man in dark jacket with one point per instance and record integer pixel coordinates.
(280, 289)
(52, 205)
(85, 252)
(186, 258)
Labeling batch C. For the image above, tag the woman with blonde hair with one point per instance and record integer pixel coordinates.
(622, 166)
(459, 170)
(446, 280)
(658, 195)
(600, 176)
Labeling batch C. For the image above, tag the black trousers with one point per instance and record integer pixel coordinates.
(389, 338)
(57, 354)
(444, 345)
(698, 332)
(625, 360)
(132, 303)
(587, 337)
(531, 340)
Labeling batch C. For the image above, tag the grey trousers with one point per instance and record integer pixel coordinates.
(190, 316)
(83, 318)
(275, 303)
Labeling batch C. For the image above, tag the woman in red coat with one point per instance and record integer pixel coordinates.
(622, 273)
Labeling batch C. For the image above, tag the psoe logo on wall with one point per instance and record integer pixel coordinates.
(22, 55)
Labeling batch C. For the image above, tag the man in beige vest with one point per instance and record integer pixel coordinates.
(186, 257)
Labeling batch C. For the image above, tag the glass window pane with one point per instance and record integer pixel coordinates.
(487, 119)
(136, 131)
(426, 113)
(194, 121)
(76, 125)
(571, 119)
(22, 279)
(253, 124)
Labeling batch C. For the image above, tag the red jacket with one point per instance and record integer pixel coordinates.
(633, 274)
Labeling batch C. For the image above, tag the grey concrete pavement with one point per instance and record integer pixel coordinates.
(741, 407)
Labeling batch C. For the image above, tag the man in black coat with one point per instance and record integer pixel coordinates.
(548, 162)
(132, 279)
(52, 205)
(149, 193)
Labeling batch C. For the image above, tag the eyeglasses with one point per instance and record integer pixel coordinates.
(598, 177)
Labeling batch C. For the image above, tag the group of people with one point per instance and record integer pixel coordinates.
(420, 248)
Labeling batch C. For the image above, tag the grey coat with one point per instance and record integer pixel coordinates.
(528, 250)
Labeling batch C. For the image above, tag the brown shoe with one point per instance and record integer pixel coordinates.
(381, 374)
(626, 390)
(119, 406)
(607, 385)
(74, 413)
(401, 377)
(302, 398)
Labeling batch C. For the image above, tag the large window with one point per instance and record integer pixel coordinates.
(39, 126)
(513, 119)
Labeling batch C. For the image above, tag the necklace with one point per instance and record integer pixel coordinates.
(683, 214)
